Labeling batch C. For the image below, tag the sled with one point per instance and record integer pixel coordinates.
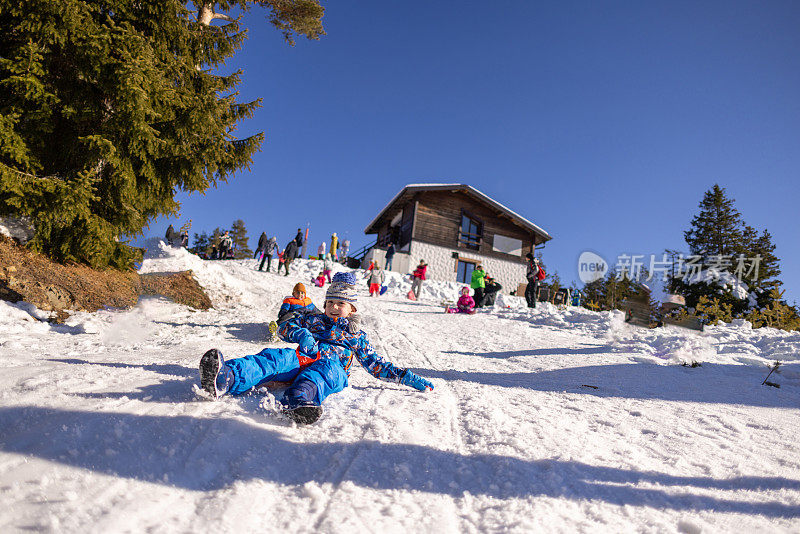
(543, 295)
(673, 311)
(561, 297)
(449, 309)
(384, 289)
(272, 385)
(638, 311)
(411, 296)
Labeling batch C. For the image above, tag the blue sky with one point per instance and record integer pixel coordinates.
(602, 122)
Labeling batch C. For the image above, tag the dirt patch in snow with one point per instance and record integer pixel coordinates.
(30, 277)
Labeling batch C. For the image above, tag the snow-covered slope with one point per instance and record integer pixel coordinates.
(541, 421)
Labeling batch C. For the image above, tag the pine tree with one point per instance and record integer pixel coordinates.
(108, 109)
(239, 237)
(717, 229)
(201, 244)
(766, 277)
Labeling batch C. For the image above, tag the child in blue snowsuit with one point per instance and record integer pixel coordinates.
(327, 345)
(298, 303)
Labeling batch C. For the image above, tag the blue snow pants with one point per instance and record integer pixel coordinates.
(282, 365)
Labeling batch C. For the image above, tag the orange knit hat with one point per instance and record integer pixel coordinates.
(299, 287)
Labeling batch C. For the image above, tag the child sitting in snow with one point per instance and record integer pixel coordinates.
(297, 304)
(465, 304)
(319, 281)
(319, 366)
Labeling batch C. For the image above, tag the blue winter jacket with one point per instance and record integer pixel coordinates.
(320, 337)
(292, 304)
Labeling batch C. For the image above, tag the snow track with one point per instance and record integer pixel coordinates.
(551, 420)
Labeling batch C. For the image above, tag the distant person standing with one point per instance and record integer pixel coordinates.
(478, 284)
(389, 256)
(376, 280)
(171, 236)
(534, 274)
(289, 254)
(262, 244)
(418, 276)
(269, 250)
(327, 267)
(321, 250)
(335, 246)
(345, 250)
(184, 233)
(225, 245)
(299, 239)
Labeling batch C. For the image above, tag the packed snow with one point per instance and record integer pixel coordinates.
(551, 420)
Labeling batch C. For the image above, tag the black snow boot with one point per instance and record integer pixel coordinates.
(304, 414)
(298, 402)
(215, 376)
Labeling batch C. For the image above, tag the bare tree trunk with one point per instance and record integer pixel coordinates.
(206, 14)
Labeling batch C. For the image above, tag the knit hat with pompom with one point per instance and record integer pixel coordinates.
(343, 287)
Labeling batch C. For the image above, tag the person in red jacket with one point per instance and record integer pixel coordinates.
(418, 277)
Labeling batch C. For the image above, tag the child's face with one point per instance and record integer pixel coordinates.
(298, 294)
(338, 308)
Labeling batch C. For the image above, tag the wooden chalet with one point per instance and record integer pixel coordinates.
(454, 227)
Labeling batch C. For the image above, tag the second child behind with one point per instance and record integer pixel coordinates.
(297, 304)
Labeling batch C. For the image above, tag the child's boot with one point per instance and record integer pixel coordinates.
(215, 377)
(299, 403)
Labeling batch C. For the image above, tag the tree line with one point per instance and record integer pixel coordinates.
(203, 243)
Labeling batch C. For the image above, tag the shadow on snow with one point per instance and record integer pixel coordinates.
(712, 383)
(552, 351)
(248, 332)
(211, 454)
(164, 391)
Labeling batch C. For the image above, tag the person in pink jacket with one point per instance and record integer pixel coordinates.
(465, 304)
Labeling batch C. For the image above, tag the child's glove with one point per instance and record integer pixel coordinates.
(308, 345)
(416, 382)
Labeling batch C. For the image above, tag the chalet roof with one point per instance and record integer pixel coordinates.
(408, 191)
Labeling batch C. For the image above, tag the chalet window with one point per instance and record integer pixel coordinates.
(471, 231)
(464, 272)
(507, 245)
